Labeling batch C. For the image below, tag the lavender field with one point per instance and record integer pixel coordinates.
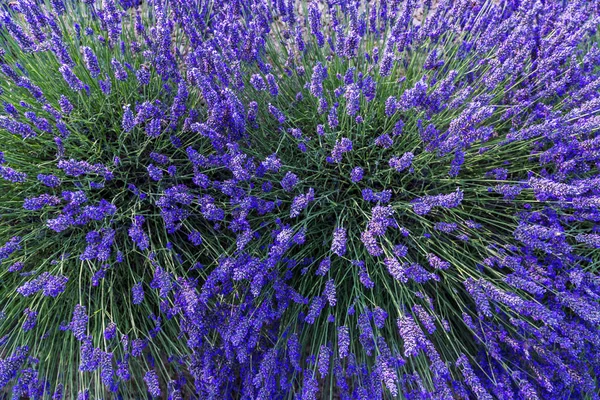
(289, 199)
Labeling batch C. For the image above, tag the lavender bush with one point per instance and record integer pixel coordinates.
(325, 199)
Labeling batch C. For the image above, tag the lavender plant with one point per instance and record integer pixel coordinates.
(309, 200)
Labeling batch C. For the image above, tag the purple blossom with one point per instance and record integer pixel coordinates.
(195, 238)
(12, 245)
(471, 379)
(289, 181)
(519, 118)
(30, 319)
(118, 69)
(436, 262)
(50, 180)
(397, 270)
(106, 368)
(50, 285)
(105, 85)
(71, 79)
(316, 306)
(391, 105)
(91, 62)
(128, 119)
(412, 335)
(314, 17)
(366, 337)
(138, 293)
(446, 227)
(58, 393)
(138, 346)
(279, 116)
(324, 355)
(365, 279)
(16, 267)
(137, 234)
(384, 141)
(414, 97)
(342, 146)
(425, 318)
(324, 266)
(11, 365)
(258, 82)
(423, 205)
(356, 174)
(11, 175)
(310, 387)
(110, 331)
(369, 86)
(338, 246)
(300, 202)
(37, 203)
(332, 117)
(79, 322)
(343, 341)
(386, 64)
(143, 76)
(352, 96)
(329, 292)
(318, 76)
(151, 379)
(379, 317)
(590, 239)
(154, 172)
(273, 87)
(402, 163)
(161, 281)
(272, 163)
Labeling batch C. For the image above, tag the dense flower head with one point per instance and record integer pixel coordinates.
(335, 199)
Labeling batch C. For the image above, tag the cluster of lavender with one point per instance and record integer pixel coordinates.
(281, 199)
(97, 190)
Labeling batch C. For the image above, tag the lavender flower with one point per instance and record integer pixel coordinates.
(143, 76)
(151, 379)
(379, 317)
(71, 79)
(91, 61)
(357, 174)
(258, 82)
(343, 341)
(51, 181)
(300, 202)
(118, 70)
(12, 245)
(402, 163)
(324, 266)
(79, 322)
(30, 319)
(137, 234)
(338, 246)
(329, 292)
(314, 16)
(342, 146)
(279, 116)
(423, 205)
(352, 99)
(128, 119)
(412, 335)
(289, 181)
(11, 175)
